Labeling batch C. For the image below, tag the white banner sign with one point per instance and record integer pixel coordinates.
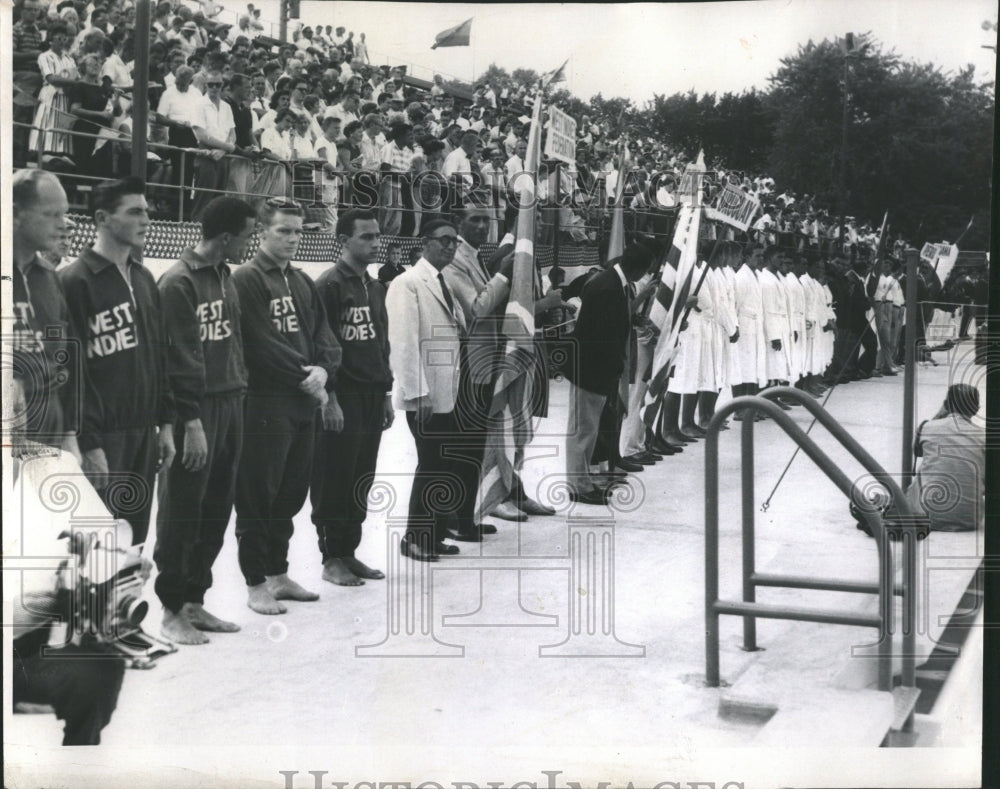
(734, 207)
(560, 137)
(929, 252)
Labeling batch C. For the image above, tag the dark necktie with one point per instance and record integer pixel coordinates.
(481, 257)
(447, 294)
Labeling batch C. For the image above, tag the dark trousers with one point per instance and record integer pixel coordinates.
(436, 491)
(343, 470)
(182, 138)
(608, 434)
(272, 481)
(132, 458)
(81, 687)
(209, 174)
(869, 351)
(472, 416)
(195, 505)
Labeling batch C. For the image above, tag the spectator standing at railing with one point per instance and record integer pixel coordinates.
(95, 106)
(349, 155)
(52, 115)
(215, 129)
(274, 142)
(326, 149)
(180, 110)
(396, 163)
(361, 50)
(26, 38)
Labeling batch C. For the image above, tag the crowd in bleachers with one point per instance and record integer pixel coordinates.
(234, 111)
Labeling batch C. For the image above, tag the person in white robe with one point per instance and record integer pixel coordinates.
(750, 368)
(775, 316)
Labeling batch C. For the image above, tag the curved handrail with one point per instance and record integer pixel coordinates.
(848, 441)
(836, 475)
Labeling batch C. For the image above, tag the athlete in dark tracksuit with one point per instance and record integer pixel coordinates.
(208, 380)
(284, 329)
(126, 396)
(344, 465)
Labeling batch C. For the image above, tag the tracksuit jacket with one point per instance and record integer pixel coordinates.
(284, 328)
(205, 357)
(121, 331)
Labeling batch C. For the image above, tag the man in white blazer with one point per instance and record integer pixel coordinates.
(426, 330)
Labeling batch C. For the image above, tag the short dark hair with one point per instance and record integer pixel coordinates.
(351, 127)
(108, 195)
(436, 224)
(225, 215)
(348, 219)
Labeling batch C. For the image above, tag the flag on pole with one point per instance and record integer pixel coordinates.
(882, 239)
(616, 240)
(511, 410)
(676, 278)
(559, 75)
(457, 36)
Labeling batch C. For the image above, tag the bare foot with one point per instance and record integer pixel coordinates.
(176, 628)
(335, 571)
(282, 587)
(362, 570)
(203, 620)
(262, 601)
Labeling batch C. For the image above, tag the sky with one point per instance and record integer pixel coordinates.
(636, 50)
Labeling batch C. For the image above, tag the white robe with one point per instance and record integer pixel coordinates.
(751, 348)
(775, 325)
(724, 317)
(796, 325)
(813, 325)
(689, 363)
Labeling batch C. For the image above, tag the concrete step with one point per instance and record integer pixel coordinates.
(830, 718)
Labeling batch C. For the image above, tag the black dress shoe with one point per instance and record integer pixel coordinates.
(642, 459)
(465, 535)
(412, 550)
(654, 456)
(486, 528)
(443, 549)
(590, 497)
(628, 465)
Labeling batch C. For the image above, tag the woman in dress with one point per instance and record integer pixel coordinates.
(92, 102)
(273, 178)
(52, 117)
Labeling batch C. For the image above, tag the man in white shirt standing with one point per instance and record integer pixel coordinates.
(885, 318)
(180, 110)
(215, 130)
(458, 165)
(395, 163)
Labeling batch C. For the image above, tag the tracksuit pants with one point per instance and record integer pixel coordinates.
(195, 506)
(132, 458)
(272, 481)
(343, 470)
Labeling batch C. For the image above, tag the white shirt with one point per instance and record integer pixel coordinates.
(276, 143)
(457, 162)
(114, 68)
(183, 107)
(218, 121)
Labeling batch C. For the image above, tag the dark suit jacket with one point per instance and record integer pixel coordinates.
(602, 331)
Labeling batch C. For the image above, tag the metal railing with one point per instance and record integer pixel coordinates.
(902, 525)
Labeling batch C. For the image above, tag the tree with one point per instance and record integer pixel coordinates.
(919, 140)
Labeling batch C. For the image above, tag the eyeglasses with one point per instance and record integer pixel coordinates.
(446, 241)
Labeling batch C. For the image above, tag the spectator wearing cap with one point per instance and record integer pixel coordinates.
(180, 110)
(395, 164)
